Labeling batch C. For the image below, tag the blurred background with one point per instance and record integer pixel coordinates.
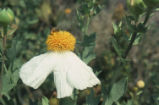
(35, 18)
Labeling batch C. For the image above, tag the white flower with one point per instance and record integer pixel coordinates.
(69, 72)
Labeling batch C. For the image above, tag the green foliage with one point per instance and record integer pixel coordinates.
(9, 81)
(88, 44)
(45, 101)
(25, 37)
(116, 47)
(152, 3)
(117, 91)
(67, 101)
(136, 7)
(91, 99)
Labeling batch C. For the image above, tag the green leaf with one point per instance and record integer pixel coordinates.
(108, 101)
(32, 21)
(88, 54)
(12, 51)
(117, 103)
(89, 39)
(9, 81)
(88, 44)
(137, 40)
(66, 101)
(139, 93)
(129, 102)
(6, 84)
(45, 101)
(115, 27)
(118, 89)
(116, 46)
(92, 99)
(15, 77)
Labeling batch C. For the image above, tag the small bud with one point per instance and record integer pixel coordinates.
(6, 16)
(68, 11)
(119, 12)
(135, 89)
(140, 84)
(137, 7)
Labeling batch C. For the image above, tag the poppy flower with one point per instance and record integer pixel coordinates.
(69, 70)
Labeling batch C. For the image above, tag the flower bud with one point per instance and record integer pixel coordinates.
(68, 11)
(152, 3)
(137, 7)
(6, 16)
(135, 89)
(140, 84)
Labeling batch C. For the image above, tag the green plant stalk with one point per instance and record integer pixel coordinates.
(130, 44)
(87, 25)
(85, 32)
(147, 16)
(135, 34)
(4, 39)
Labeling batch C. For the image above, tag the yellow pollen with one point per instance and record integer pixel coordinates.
(60, 41)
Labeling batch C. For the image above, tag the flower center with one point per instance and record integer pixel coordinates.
(60, 41)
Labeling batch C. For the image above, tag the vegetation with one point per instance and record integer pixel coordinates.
(127, 65)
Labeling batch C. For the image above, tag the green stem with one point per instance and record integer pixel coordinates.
(147, 17)
(135, 34)
(4, 38)
(130, 44)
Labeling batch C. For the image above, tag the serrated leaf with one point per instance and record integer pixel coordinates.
(45, 101)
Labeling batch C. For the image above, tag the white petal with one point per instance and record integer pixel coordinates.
(80, 75)
(35, 71)
(69, 72)
(63, 88)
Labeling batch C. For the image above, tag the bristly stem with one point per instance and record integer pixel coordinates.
(135, 34)
(4, 39)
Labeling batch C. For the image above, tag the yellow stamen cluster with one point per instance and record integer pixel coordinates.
(60, 41)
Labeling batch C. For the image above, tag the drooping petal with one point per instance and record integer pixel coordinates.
(80, 75)
(63, 88)
(34, 72)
